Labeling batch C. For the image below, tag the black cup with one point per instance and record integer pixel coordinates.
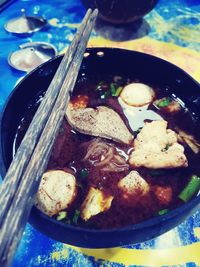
(121, 11)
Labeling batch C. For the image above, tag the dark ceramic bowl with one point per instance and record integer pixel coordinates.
(147, 68)
(121, 11)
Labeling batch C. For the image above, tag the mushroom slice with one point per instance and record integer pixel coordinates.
(95, 203)
(137, 94)
(56, 192)
(102, 122)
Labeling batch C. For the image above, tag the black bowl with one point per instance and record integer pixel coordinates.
(121, 11)
(148, 68)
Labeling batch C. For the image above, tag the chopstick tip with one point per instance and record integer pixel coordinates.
(96, 12)
(89, 11)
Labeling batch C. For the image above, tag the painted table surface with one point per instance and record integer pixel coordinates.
(170, 31)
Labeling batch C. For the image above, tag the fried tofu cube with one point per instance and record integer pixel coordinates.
(133, 184)
(95, 202)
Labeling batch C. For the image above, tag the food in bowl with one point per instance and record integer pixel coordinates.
(127, 151)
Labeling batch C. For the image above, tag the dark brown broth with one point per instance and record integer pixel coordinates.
(68, 152)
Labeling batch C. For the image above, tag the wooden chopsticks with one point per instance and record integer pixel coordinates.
(23, 177)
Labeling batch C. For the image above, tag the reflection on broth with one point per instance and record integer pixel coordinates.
(126, 152)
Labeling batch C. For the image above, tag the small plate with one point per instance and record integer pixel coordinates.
(25, 25)
(31, 55)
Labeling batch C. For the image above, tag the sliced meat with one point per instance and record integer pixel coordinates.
(95, 202)
(156, 147)
(56, 192)
(102, 122)
(137, 94)
(133, 184)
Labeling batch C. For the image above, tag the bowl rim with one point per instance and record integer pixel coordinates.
(144, 224)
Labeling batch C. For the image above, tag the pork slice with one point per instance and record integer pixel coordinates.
(102, 121)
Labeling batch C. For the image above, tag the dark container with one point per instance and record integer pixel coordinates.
(148, 68)
(121, 11)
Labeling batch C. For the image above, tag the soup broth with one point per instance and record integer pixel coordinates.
(101, 163)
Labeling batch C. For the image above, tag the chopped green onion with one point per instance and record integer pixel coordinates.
(83, 173)
(61, 215)
(162, 212)
(191, 189)
(166, 147)
(76, 216)
(164, 102)
(112, 89)
(115, 91)
(118, 91)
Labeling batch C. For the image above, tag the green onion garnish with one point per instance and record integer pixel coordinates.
(162, 212)
(164, 102)
(166, 148)
(115, 91)
(112, 89)
(191, 189)
(61, 215)
(76, 216)
(118, 91)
